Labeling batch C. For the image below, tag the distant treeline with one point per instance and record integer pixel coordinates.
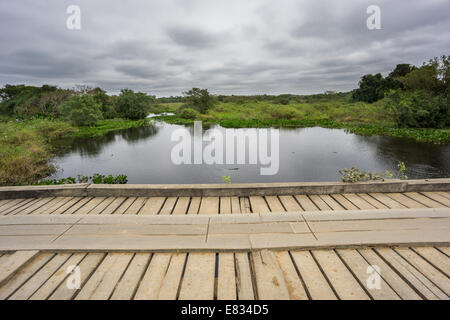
(279, 99)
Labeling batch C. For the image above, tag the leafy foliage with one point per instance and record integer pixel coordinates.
(95, 179)
(188, 113)
(81, 111)
(133, 105)
(356, 175)
(199, 99)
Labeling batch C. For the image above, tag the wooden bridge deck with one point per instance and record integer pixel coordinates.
(319, 245)
(222, 205)
(405, 273)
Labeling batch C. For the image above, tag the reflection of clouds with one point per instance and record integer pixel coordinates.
(306, 154)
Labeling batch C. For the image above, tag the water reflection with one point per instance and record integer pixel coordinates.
(306, 154)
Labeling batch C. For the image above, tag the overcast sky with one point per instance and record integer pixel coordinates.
(164, 47)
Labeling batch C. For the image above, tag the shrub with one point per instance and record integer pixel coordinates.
(199, 99)
(133, 105)
(356, 175)
(419, 109)
(81, 111)
(188, 113)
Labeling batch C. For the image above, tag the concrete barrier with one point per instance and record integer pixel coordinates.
(199, 190)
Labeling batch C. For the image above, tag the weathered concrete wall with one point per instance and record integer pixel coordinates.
(197, 190)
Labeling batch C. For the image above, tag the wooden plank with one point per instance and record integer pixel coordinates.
(290, 204)
(387, 201)
(194, 206)
(47, 208)
(209, 205)
(414, 278)
(270, 282)
(102, 206)
(23, 274)
(438, 259)
(226, 281)
(361, 270)
(437, 197)
(112, 206)
(343, 201)
(20, 206)
(102, 283)
(198, 280)
(306, 203)
(319, 202)
(7, 202)
(333, 204)
(433, 274)
(225, 205)
(291, 277)
(244, 283)
(258, 204)
(245, 205)
(235, 205)
(343, 282)
(66, 205)
(11, 205)
(377, 204)
(33, 207)
(358, 201)
(153, 205)
(127, 285)
(125, 205)
(168, 206)
(444, 194)
(12, 263)
(87, 267)
(404, 200)
(316, 283)
(40, 277)
(444, 250)
(136, 206)
(89, 206)
(182, 206)
(171, 282)
(390, 276)
(74, 208)
(57, 278)
(58, 205)
(274, 204)
(424, 200)
(151, 282)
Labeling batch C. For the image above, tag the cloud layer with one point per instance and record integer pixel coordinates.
(164, 47)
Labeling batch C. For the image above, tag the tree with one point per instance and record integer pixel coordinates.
(81, 111)
(433, 76)
(199, 99)
(371, 88)
(133, 105)
(401, 70)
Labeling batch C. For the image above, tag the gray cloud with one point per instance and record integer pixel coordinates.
(165, 47)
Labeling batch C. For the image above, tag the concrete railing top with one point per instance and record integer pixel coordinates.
(251, 189)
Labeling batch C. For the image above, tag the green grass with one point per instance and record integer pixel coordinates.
(105, 126)
(27, 146)
(359, 118)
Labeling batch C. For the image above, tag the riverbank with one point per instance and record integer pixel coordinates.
(28, 145)
(336, 113)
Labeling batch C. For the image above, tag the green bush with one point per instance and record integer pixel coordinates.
(133, 105)
(81, 111)
(419, 109)
(188, 113)
(199, 99)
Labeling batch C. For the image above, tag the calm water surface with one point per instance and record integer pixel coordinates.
(306, 154)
